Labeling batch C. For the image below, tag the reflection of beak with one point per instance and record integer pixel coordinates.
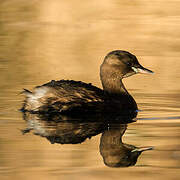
(141, 69)
(142, 149)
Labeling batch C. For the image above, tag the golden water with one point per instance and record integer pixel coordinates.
(53, 39)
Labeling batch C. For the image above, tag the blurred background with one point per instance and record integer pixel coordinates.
(59, 39)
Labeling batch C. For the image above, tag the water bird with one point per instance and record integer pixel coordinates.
(76, 97)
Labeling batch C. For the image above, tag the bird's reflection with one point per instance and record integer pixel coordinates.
(62, 129)
(72, 130)
(115, 153)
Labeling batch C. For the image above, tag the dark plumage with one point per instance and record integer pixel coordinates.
(68, 96)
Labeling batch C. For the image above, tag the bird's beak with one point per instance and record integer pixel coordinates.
(142, 149)
(141, 69)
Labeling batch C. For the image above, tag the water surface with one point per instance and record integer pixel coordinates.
(44, 40)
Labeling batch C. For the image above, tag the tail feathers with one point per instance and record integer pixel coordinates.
(26, 92)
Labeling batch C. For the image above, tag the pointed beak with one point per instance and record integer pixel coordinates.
(142, 149)
(142, 70)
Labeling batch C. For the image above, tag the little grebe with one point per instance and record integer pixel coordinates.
(68, 96)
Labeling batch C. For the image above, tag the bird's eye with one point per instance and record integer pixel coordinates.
(128, 63)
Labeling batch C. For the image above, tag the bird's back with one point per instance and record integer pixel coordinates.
(63, 96)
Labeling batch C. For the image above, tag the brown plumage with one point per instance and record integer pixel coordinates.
(68, 96)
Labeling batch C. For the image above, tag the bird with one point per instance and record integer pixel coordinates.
(76, 97)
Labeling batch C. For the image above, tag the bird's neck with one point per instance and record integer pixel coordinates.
(115, 89)
(114, 86)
